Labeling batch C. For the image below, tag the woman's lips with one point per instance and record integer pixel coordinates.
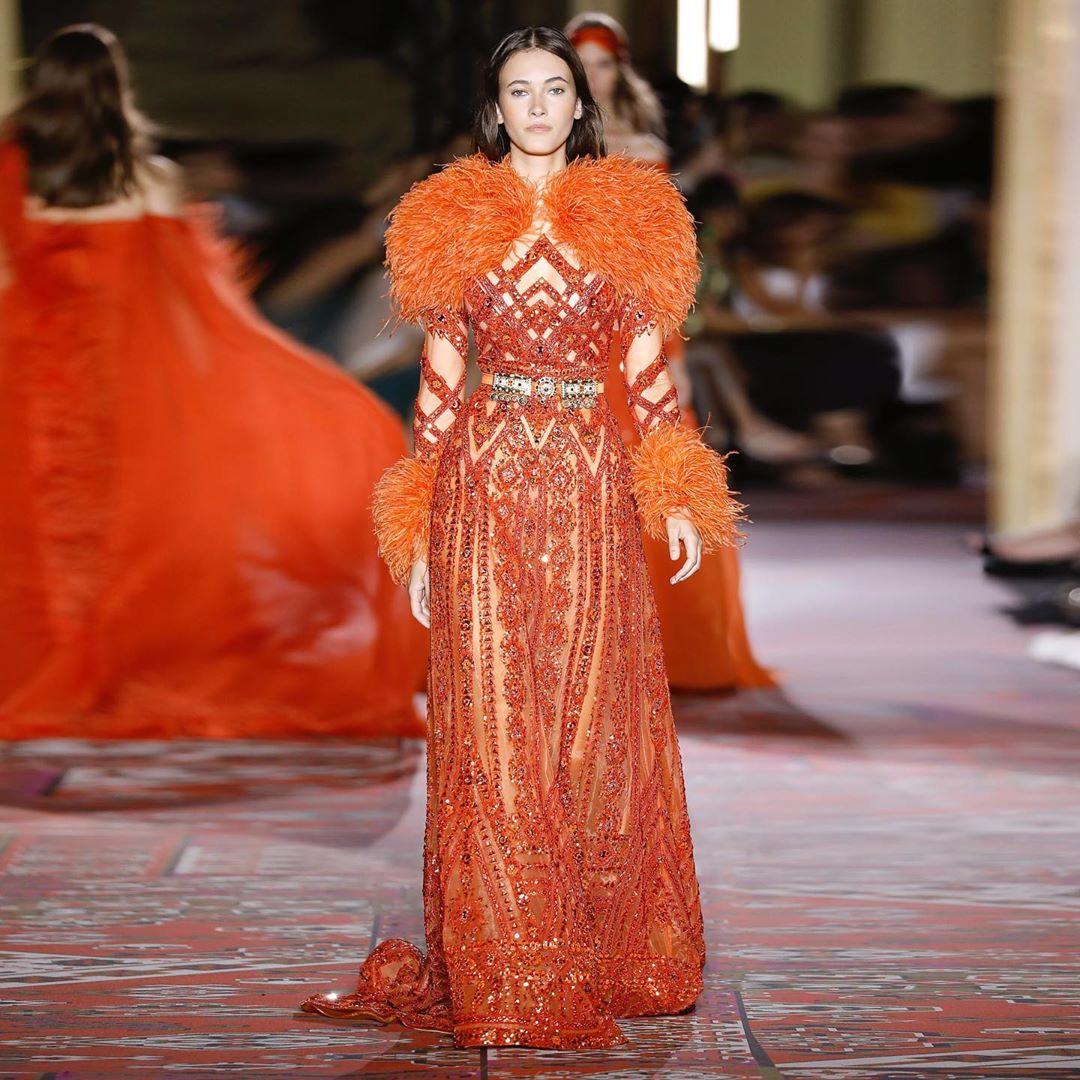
(538, 127)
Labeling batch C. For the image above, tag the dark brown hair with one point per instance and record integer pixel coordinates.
(587, 134)
(635, 100)
(81, 133)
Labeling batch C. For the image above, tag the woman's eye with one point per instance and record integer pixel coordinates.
(558, 90)
(517, 93)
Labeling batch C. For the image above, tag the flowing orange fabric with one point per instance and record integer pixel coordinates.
(559, 883)
(187, 542)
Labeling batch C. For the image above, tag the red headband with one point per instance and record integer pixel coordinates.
(602, 36)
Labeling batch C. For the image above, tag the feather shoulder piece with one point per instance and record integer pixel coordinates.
(625, 220)
(451, 227)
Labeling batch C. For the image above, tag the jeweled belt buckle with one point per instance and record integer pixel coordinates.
(574, 393)
(510, 387)
(546, 387)
(579, 393)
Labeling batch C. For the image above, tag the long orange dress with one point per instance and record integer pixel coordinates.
(559, 882)
(185, 495)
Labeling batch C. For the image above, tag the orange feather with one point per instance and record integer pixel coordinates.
(401, 509)
(627, 221)
(674, 472)
(624, 219)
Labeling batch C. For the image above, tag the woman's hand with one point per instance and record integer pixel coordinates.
(681, 530)
(419, 584)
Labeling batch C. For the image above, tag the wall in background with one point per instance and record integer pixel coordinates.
(798, 48)
(10, 50)
(949, 46)
(809, 49)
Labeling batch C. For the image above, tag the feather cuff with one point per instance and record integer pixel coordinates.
(674, 472)
(401, 509)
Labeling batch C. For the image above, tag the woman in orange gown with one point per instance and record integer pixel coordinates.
(559, 882)
(185, 493)
(705, 639)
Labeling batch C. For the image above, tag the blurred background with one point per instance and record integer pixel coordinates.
(881, 187)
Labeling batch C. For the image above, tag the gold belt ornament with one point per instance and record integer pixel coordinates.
(574, 393)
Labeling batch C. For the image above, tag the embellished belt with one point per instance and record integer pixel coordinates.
(574, 393)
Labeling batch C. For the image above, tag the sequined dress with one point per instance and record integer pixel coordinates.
(559, 882)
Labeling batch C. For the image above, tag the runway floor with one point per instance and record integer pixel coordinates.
(887, 854)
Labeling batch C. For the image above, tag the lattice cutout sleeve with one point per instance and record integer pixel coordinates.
(650, 390)
(674, 472)
(402, 503)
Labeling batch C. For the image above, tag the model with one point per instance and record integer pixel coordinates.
(559, 883)
(705, 638)
(185, 492)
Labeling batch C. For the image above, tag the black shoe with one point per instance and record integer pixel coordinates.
(996, 566)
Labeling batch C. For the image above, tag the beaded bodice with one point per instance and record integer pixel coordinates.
(542, 314)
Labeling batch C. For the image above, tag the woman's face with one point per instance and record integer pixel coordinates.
(602, 70)
(537, 101)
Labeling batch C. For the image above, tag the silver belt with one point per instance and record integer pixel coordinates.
(574, 393)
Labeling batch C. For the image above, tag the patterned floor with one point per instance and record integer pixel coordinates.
(887, 855)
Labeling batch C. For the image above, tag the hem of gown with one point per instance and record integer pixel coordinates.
(535, 1034)
(340, 1010)
(672, 990)
(538, 1035)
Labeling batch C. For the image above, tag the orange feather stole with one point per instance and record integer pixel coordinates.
(623, 219)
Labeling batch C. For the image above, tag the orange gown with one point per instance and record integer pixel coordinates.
(188, 548)
(559, 882)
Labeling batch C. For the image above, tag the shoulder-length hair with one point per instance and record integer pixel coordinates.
(636, 102)
(587, 135)
(77, 124)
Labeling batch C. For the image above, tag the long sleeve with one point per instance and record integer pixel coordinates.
(674, 472)
(442, 381)
(402, 504)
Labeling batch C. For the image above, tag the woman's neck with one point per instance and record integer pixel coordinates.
(536, 168)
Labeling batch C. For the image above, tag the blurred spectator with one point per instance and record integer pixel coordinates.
(811, 384)
(890, 119)
(882, 213)
(633, 117)
(719, 391)
(1040, 553)
(319, 255)
(758, 128)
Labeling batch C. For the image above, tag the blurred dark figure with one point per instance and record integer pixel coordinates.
(821, 373)
(910, 136)
(758, 126)
(719, 387)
